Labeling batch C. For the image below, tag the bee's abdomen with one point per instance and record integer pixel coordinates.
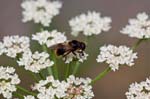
(60, 51)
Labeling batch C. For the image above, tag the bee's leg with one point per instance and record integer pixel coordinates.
(65, 58)
(74, 53)
(81, 54)
(66, 54)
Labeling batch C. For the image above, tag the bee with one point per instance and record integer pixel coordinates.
(73, 46)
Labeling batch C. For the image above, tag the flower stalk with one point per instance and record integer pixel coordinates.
(101, 75)
(54, 68)
(67, 72)
(49, 69)
(137, 44)
(18, 95)
(76, 68)
(25, 90)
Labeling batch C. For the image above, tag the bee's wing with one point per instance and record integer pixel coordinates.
(57, 46)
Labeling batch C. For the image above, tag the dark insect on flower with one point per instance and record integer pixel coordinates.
(73, 46)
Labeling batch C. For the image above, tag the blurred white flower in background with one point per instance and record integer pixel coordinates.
(49, 38)
(139, 90)
(8, 81)
(14, 45)
(34, 62)
(89, 24)
(115, 56)
(139, 27)
(40, 11)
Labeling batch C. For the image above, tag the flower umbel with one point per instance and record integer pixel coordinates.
(79, 88)
(40, 11)
(89, 24)
(8, 81)
(116, 56)
(50, 88)
(139, 90)
(36, 61)
(139, 27)
(14, 45)
(49, 38)
(73, 88)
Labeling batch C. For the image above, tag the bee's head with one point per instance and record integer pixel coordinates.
(74, 44)
(77, 45)
(82, 46)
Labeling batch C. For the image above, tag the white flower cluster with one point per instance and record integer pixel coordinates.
(89, 24)
(40, 11)
(8, 81)
(35, 61)
(138, 28)
(49, 38)
(70, 57)
(115, 56)
(73, 88)
(79, 88)
(139, 90)
(50, 88)
(14, 45)
(29, 97)
(2, 48)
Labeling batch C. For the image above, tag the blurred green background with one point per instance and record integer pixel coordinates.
(115, 84)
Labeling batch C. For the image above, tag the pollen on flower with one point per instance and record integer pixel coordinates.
(8, 81)
(116, 56)
(40, 11)
(139, 90)
(79, 88)
(138, 27)
(89, 24)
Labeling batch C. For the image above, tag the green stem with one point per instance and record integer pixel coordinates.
(55, 70)
(34, 76)
(137, 44)
(49, 69)
(25, 90)
(101, 75)
(41, 75)
(54, 67)
(18, 95)
(76, 67)
(44, 48)
(67, 70)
